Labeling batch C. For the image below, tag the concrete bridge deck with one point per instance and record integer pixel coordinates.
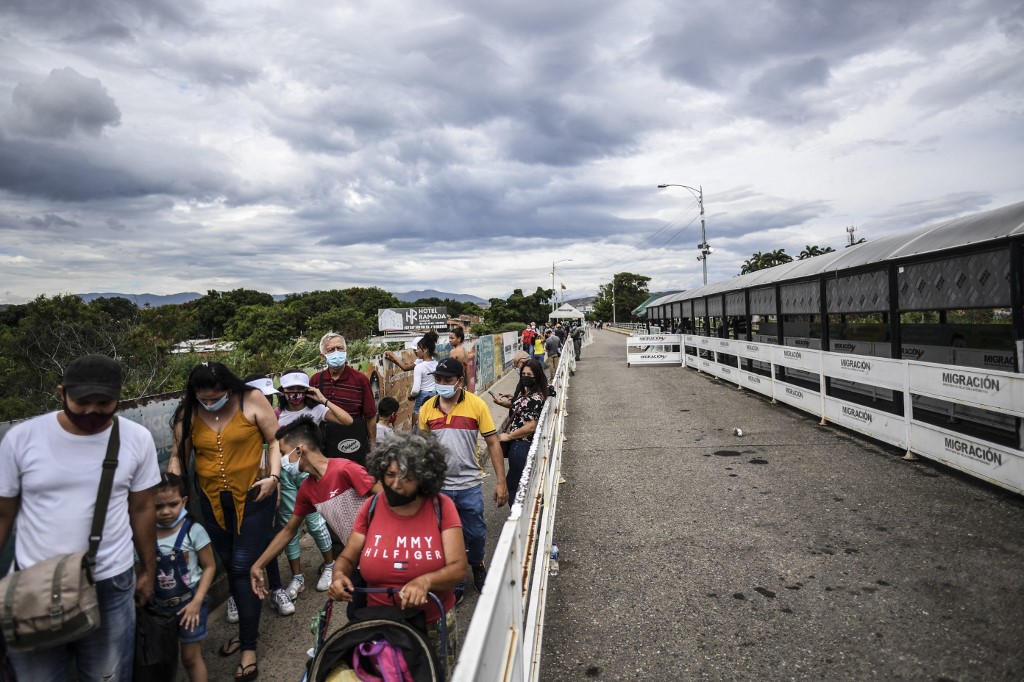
(794, 552)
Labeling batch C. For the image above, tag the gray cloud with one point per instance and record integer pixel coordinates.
(63, 103)
(49, 221)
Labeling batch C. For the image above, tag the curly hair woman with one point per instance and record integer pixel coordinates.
(412, 540)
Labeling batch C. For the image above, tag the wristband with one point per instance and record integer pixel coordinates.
(275, 477)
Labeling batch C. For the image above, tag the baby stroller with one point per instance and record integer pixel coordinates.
(401, 629)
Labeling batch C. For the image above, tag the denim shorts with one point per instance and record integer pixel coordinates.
(186, 636)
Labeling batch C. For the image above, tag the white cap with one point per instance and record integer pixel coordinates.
(295, 379)
(265, 385)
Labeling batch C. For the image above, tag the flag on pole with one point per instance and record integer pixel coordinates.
(563, 286)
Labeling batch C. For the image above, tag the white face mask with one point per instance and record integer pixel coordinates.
(288, 466)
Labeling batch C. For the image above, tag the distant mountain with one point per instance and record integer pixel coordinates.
(410, 296)
(141, 300)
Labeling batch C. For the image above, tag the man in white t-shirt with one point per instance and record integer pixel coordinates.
(50, 470)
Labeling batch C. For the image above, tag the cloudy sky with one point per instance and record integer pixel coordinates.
(179, 145)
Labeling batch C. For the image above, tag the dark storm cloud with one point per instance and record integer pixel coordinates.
(90, 172)
(63, 103)
(782, 51)
(74, 18)
(50, 221)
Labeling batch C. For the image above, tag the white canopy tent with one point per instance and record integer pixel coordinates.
(566, 311)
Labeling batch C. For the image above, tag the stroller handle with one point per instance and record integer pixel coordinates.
(391, 591)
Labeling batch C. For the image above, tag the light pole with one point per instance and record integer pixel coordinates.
(554, 292)
(614, 320)
(705, 250)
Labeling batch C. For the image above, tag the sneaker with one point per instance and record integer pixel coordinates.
(479, 576)
(232, 610)
(280, 602)
(297, 585)
(460, 595)
(324, 583)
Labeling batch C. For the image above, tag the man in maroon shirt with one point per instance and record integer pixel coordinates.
(350, 390)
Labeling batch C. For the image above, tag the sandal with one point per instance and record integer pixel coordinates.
(249, 672)
(231, 647)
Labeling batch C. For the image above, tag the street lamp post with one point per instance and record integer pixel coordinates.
(705, 250)
(554, 291)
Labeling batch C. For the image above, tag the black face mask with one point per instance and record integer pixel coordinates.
(92, 422)
(528, 381)
(397, 499)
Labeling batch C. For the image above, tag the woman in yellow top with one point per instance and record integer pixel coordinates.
(224, 423)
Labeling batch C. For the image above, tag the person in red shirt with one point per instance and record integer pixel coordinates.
(350, 390)
(413, 539)
(334, 487)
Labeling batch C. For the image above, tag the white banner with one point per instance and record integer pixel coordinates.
(798, 358)
(754, 351)
(797, 396)
(998, 391)
(980, 458)
(756, 382)
(654, 349)
(725, 346)
(865, 370)
(691, 361)
(884, 426)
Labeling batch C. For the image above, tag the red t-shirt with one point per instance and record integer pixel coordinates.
(327, 495)
(400, 548)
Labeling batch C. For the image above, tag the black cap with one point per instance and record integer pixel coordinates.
(92, 375)
(449, 367)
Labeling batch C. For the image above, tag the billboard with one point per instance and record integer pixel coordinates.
(411, 319)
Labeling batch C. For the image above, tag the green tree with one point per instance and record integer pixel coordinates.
(760, 260)
(810, 251)
(627, 290)
(260, 328)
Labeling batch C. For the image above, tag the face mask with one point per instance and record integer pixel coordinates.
(288, 466)
(397, 499)
(176, 521)
(528, 381)
(336, 359)
(444, 391)
(295, 398)
(217, 405)
(92, 422)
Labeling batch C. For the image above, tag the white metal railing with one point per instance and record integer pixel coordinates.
(504, 638)
(970, 388)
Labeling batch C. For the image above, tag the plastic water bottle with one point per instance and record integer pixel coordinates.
(553, 564)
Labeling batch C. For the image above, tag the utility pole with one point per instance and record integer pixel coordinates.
(614, 319)
(704, 248)
(554, 292)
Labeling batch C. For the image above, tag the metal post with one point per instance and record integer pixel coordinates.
(704, 250)
(614, 320)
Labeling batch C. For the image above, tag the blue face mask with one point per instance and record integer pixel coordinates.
(336, 359)
(444, 391)
(217, 405)
(176, 521)
(288, 466)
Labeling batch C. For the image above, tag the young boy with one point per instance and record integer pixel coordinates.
(387, 413)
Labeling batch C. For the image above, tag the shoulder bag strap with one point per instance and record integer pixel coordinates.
(99, 516)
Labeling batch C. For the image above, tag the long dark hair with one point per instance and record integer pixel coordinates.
(215, 375)
(428, 342)
(459, 333)
(540, 385)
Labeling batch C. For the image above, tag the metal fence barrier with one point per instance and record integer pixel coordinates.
(994, 391)
(504, 638)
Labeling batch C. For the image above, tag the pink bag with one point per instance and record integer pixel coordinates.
(380, 661)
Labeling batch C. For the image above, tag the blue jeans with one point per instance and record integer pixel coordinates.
(518, 451)
(238, 552)
(106, 654)
(470, 503)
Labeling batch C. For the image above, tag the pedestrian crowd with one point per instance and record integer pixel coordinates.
(384, 508)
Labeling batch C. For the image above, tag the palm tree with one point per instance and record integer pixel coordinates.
(754, 263)
(811, 251)
(778, 257)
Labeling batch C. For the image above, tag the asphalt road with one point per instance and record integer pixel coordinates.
(794, 552)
